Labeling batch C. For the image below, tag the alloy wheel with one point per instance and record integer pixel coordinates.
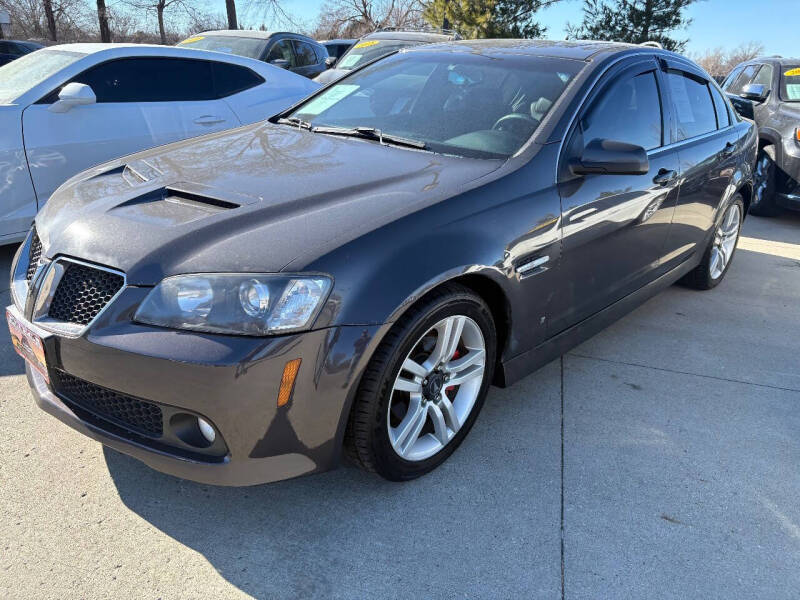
(725, 241)
(436, 388)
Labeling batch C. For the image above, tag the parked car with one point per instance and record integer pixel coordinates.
(66, 108)
(357, 270)
(336, 48)
(382, 43)
(293, 51)
(13, 49)
(769, 90)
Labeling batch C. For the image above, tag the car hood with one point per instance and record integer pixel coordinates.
(249, 200)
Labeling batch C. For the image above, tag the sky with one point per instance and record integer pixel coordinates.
(716, 23)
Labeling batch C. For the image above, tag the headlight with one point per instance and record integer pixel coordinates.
(240, 304)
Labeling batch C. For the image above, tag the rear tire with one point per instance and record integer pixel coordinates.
(408, 387)
(718, 256)
(765, 184)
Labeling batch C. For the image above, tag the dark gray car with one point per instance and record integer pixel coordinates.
(293, 51)
(355, 273)
(381, 43)
(13, 49)
(769, 90)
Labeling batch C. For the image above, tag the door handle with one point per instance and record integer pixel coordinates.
(728, 149)
(208, 120)
(665, 177)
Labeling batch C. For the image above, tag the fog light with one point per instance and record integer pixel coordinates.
(207, 430)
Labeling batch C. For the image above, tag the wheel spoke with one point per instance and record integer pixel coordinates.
(449, 333)
(723, 258)
(407, 385)
(470, 358)
(714, 261)
(466, 375)
(450, 416)
(415, 368)
(439, 425)
(408, 431)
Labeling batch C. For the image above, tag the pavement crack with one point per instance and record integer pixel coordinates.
(678, 372)
(563, 590)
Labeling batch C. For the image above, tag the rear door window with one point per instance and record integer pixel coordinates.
(691, 104)
(305, 54)
(232, 79)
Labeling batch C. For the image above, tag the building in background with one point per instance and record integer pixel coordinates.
(5, 24)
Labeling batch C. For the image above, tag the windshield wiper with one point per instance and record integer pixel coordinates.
(371, 133)
(300, 123)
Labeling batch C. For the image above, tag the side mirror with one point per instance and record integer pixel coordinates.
(280, 62)
(330, 61)
(608, 157)
(743, 106)
(756, 92)
(72, 95)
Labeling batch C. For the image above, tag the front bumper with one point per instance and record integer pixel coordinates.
(231, 381)
(788, 195)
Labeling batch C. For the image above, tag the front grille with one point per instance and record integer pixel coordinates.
(128, 412)
(82, 293)
(35, 254)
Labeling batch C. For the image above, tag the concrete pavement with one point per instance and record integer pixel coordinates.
(659, 460)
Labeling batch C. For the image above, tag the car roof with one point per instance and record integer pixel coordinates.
(253, 34)
(414, 36)
(109, 51)
(775, 60)
(339, 41)
(575, 49)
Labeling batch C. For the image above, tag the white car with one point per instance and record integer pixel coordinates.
(66, 108)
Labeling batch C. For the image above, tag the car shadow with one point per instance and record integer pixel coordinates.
(348, 533)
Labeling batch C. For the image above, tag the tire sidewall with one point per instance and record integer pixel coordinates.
(736, 199)
(389, 463)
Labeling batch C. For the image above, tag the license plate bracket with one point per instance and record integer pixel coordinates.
(27, 343)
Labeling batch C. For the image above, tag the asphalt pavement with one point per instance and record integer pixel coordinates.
(660, 459)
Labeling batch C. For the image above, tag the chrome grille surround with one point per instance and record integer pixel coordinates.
(36, 300)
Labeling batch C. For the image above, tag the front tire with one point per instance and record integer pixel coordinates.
(424, 386)
(719, 254)
(765, 184)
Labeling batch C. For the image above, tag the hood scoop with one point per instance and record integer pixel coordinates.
(172, 205)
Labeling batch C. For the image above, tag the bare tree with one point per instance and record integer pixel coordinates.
(72, 20)
(230, 8)
(102, 17)
(354, 18)
(718, 62)
(51, 19)
(160, 7)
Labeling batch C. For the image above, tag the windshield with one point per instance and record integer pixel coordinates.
(368, 50)
(240, 46)
(464, 104)
(19, 76)
(790, 84)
